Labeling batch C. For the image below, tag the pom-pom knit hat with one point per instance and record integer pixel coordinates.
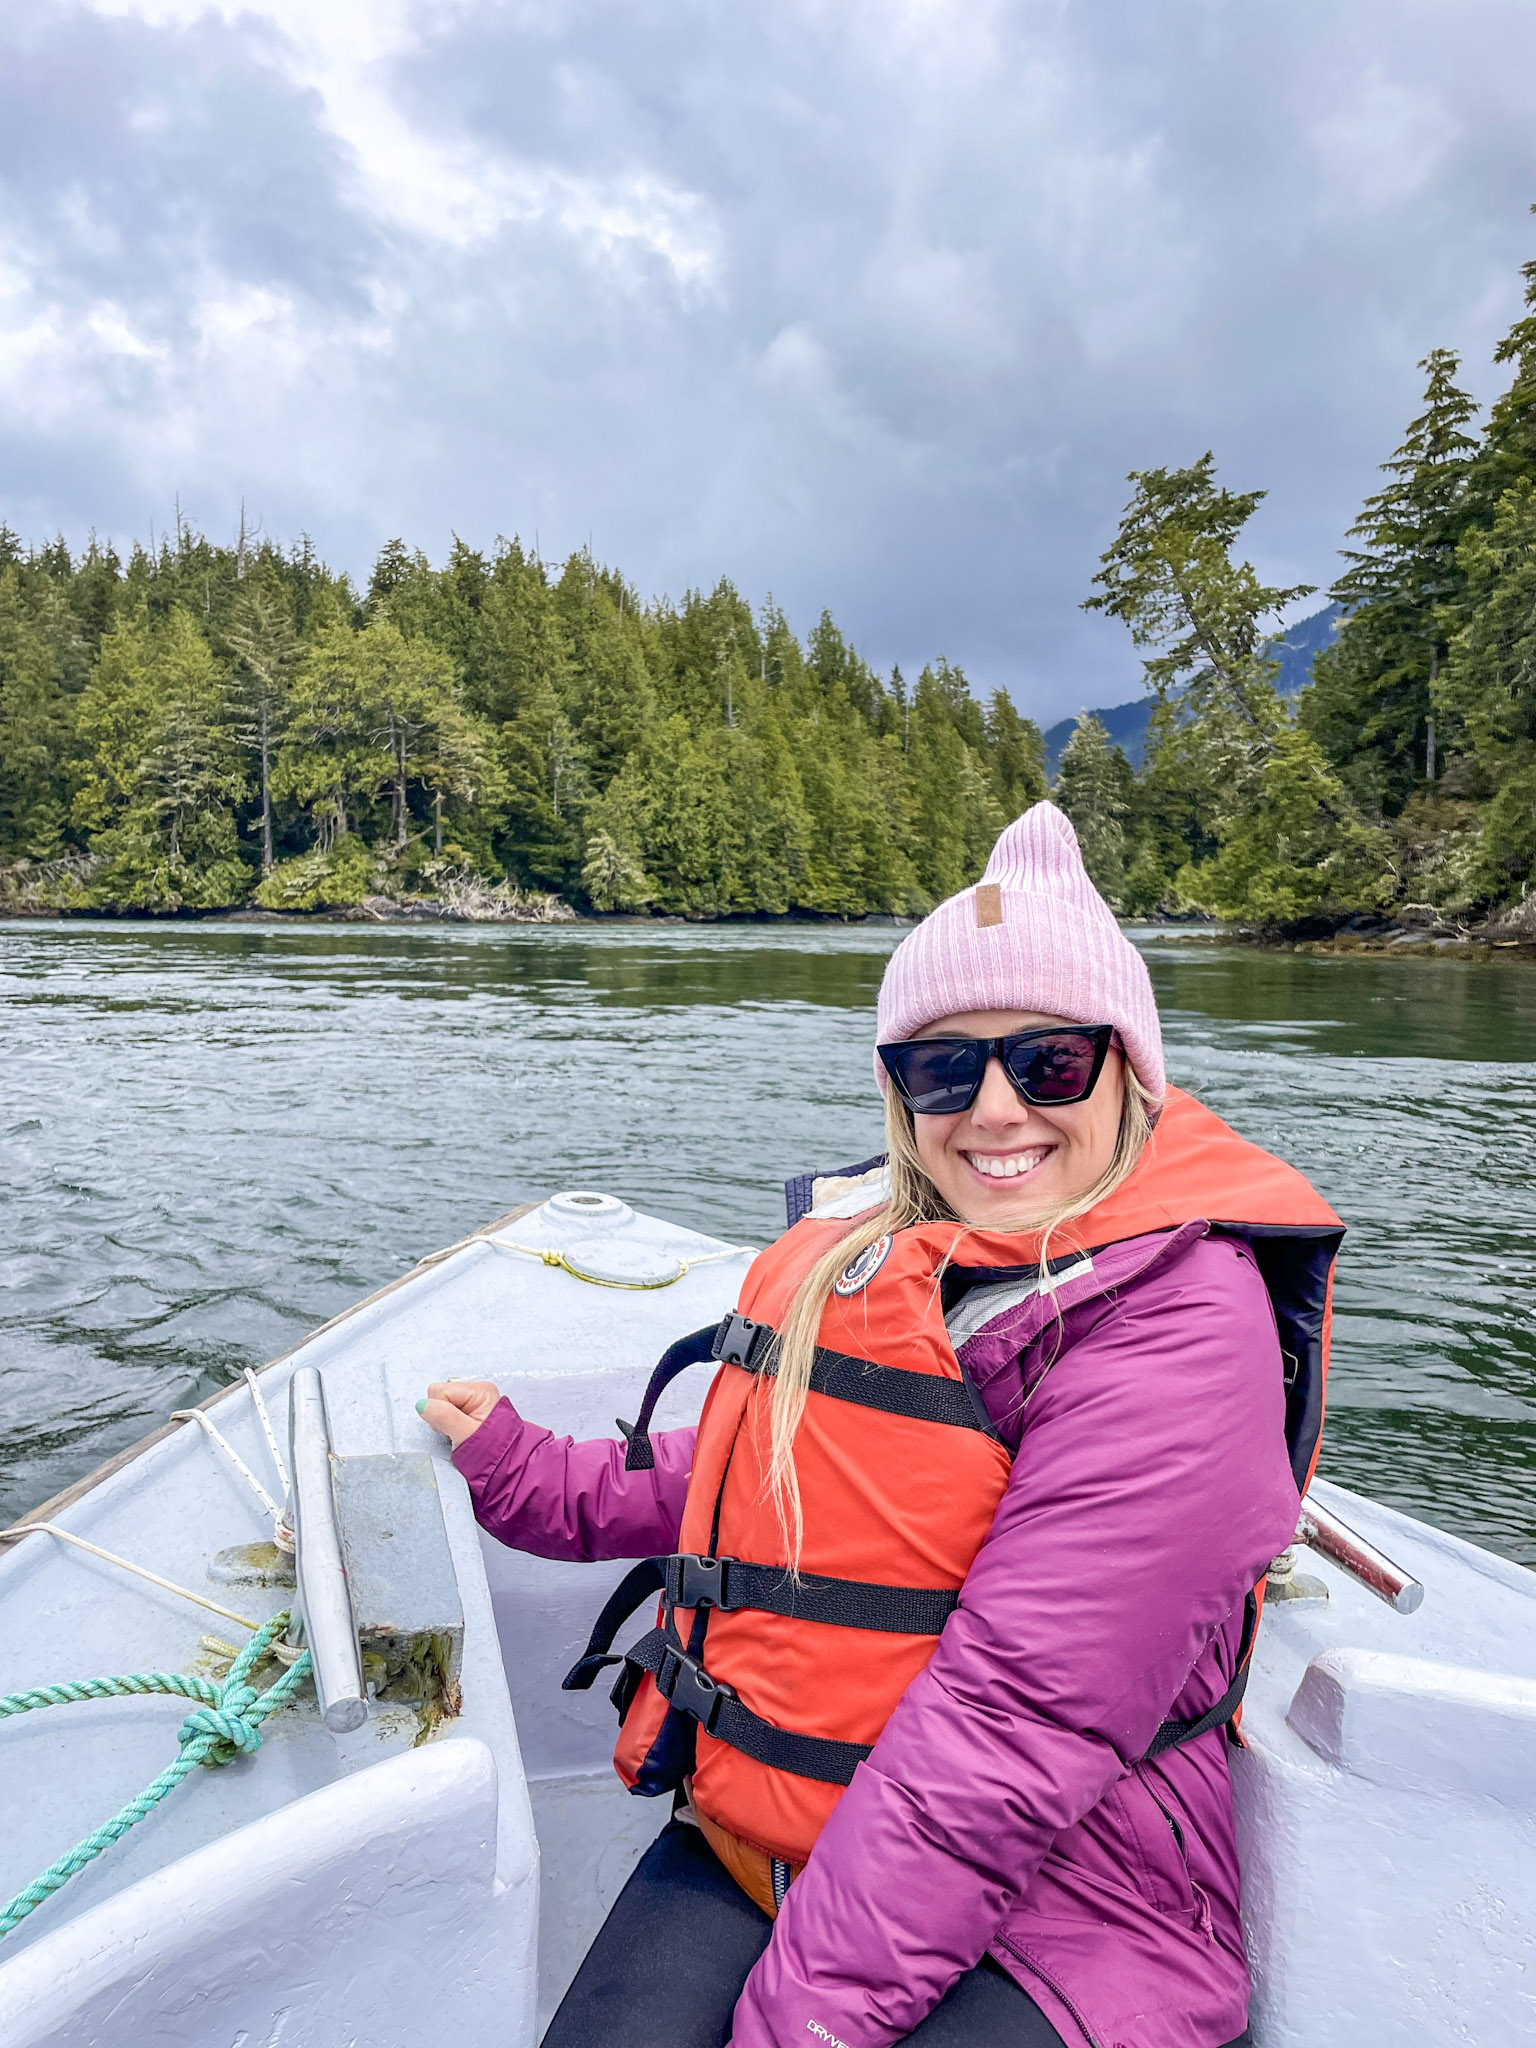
(1033, 934)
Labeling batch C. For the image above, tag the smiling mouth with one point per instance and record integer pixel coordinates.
(1007, 1165)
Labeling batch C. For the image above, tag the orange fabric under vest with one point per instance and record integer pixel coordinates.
(888, 1498)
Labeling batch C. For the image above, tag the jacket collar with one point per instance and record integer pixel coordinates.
(998, 1343)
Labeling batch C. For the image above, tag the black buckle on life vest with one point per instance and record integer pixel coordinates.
(684, 1683)
(694, 1581)
(740, 1341)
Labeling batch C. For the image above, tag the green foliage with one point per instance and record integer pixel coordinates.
(957, 813)
(1410, 777)
(612, 877)
(1427, 705)
(1507, 454)
(332, 879)
(201, 725)
(1369, 701)
(1094, 786)
(1219, 742)
(42, 668)
(1295, 852)
(162, 772)
(266, 651)
(1170, 577)
(1018, 756)
(1489, 686)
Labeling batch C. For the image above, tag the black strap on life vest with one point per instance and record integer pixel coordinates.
(694, 1349)
(1174, 1734)
(633, 1590)
(684, 1684)
(731, 1585)
(738, 1340)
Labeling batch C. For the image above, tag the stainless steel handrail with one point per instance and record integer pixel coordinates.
(1320, 1528)
(330, 1632)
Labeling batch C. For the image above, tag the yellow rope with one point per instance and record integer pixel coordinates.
(559, 1259)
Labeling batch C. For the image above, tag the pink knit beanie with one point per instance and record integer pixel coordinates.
(1033, 934)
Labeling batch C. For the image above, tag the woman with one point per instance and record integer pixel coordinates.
(956, 1569)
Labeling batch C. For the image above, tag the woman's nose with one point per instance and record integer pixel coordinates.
(997, 1103)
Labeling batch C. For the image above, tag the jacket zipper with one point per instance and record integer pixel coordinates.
(1034, 1968)
(1197, 1892)
(1177, 1832)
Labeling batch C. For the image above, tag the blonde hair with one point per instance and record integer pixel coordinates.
(913, 1199)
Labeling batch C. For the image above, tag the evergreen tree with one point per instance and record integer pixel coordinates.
(42, 669)
(1292, 854)
(371, 716)
(1223, 736)
(266, 654)
(612, 877)
(1169, 575)
(956, 815)
(1094, 786)
(162, 773)
(615, 697)
(1489, 686)
(613, 873)
(334, 759)
(1368, 704)
(1507, 454)
(1175, 805)
(1017, 752)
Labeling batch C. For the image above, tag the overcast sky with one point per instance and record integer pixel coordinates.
(870, 304)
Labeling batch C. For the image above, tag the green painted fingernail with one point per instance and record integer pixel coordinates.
(421, 1406)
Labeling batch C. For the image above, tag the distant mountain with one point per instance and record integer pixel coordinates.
(1126, 724)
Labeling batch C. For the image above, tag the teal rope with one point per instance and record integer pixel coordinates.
(225, 1723)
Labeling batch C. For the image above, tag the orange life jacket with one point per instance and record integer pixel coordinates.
(900, 1474)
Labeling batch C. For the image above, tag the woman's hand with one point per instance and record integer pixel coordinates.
(456, 1408)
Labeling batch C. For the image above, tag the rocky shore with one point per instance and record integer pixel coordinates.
(1417, 931)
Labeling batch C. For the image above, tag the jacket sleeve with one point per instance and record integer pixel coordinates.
(1150, 1492)
(557, 1498)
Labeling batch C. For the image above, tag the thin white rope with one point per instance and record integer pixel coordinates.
(125, 1564)
(266, 1427)
(198, 1416)
(436, 1258)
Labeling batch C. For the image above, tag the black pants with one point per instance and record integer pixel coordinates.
(669, 1963)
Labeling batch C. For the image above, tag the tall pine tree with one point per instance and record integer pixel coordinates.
(1369, 702)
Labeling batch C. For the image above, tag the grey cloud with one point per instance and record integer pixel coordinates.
(134, 158)
(872, 305)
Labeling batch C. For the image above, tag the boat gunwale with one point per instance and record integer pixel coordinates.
(50, 1509)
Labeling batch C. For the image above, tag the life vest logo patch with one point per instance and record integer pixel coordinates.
(858, 1272)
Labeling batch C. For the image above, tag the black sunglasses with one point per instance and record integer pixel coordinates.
(1048, 1068)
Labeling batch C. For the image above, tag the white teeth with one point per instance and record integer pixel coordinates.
(1009, 1168)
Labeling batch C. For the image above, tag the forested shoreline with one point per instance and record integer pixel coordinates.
(197, 727)
(205, 726)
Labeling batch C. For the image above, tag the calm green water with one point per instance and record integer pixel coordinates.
(213, 1137)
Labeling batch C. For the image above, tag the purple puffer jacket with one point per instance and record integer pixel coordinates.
(1003, 1809)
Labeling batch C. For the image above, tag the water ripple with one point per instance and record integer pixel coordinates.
(213, 1137)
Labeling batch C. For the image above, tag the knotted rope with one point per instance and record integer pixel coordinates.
(226, 1723)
